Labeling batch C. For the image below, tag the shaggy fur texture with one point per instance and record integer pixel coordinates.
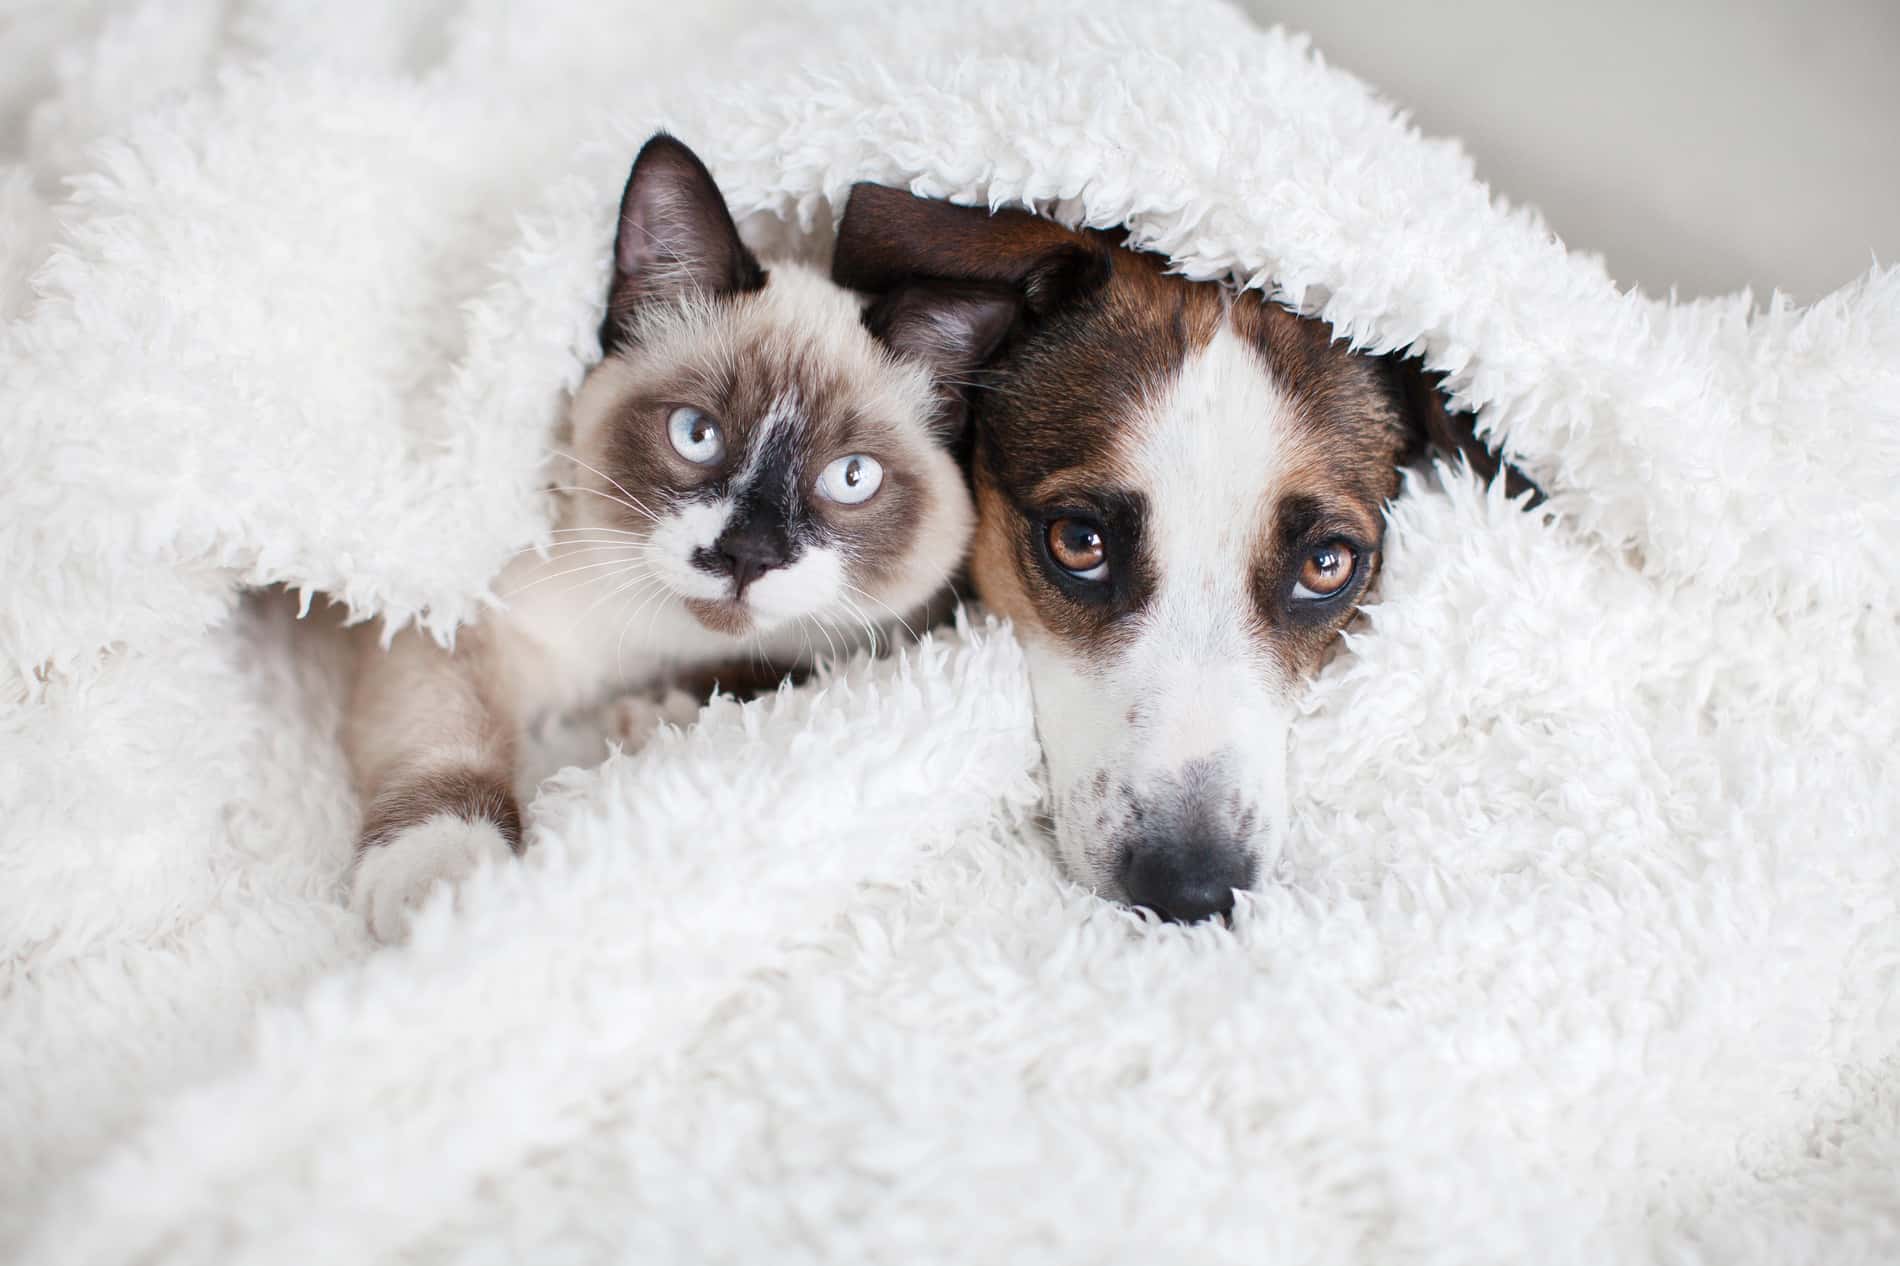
(1584, 944)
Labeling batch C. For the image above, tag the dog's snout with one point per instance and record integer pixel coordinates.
(1186, 878)
(1190, 840)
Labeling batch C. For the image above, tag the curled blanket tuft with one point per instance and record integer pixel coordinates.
(1583, 944)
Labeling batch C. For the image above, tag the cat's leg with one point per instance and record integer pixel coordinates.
(433, 756)
(632, 718)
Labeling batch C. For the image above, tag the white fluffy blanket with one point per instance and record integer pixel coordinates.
(1585, 944)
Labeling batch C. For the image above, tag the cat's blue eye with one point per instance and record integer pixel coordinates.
(695, 436)
(851, 480)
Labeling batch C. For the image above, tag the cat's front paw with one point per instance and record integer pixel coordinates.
(632, 718)
(394, 877)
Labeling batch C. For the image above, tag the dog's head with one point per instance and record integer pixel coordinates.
(1180, 497)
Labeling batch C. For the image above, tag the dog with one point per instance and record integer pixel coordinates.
(1180, 496)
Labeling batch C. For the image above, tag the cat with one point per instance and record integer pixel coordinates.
(754, 470)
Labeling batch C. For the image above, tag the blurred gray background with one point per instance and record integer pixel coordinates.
(1702, 144)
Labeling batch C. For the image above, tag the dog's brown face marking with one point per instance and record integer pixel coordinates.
(1061, 432)
(1229, 460)
(1230, 464)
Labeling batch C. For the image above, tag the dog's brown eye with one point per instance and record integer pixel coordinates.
(1325, 572)
(1079, 548)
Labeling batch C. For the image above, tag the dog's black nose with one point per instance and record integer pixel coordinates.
(1186, 880)
(748, 552)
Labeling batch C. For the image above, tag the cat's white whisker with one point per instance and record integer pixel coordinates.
(567, 549)
(870, 628)
(831, 643)
(804, 629)
(613, 581)
(652, 620)
(618, 486)
(875, 629)
(642, 511)
(640, 568)
(901, 621)
(585, 544)
(570, 571)
(620, 643)
(641, 576)
(657, 596)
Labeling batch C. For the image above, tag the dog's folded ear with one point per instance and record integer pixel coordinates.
(889, 237)
(1437, 428)
(950, 327)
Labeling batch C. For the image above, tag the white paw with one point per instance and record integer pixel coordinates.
(395, 877)
(632, 719)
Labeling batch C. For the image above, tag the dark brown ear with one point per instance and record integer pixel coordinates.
(675, 237)
(1436, 428)
(953, 329)
(889, 237)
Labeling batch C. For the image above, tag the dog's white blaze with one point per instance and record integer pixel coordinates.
(1193, 683)
(1212, 455)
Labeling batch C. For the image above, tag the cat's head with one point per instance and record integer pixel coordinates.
(774, 460)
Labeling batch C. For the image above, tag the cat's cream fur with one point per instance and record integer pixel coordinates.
(624, 597)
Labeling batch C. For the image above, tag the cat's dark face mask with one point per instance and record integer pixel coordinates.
(775, 457)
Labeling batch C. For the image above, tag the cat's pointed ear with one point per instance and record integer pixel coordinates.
(675, 237)
(953, 330)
